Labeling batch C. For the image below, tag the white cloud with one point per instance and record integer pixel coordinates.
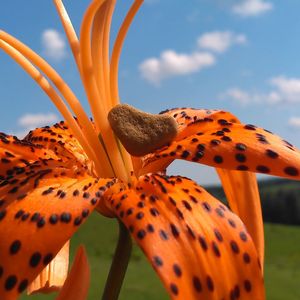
(243, 97)
(249, 8)
(220, 41)
(294, 122)
(30, 121)
(54, 45)
(288, 89)
(285, 90)
(171, 63)
(237, 95)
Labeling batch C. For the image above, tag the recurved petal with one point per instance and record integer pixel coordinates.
(240, 187)
(16, 154)
(43, 200)
(242, 193)
(187, 116)
(77, 284)
(48, 156)
(186, 119)
(235, 147)
(58, 138)
(196, 245)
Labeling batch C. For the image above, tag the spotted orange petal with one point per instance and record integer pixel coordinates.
(187, 116)
(16, 154)
(44, 199)
(216, 138)
(198, 247)
(233, 146)
(242, 193)
(244, 200)
(53, 276)
(59, 139)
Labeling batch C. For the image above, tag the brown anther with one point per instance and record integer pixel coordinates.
(140, 132)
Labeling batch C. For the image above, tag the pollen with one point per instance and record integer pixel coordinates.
(140, 132)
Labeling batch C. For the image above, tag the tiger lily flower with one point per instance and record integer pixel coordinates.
(56, 176)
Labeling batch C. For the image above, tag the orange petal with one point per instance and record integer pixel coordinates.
(233, 146)
(196, 245)
(58, 138)
(15, 154)
(187, 116)
(53, 276)
(240, 187)
(78, 281)
(35, 228)
(43, 200)
(242, 194)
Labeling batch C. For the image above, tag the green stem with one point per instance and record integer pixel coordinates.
(119, 265)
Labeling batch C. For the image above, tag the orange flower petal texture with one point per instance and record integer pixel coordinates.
(49, 193)
(46, 193)
(198, 247)
(78, 282)
(54, 275)
(221, 142)
(242, 193)
(217, 138)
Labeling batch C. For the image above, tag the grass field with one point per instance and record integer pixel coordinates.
(282, 269)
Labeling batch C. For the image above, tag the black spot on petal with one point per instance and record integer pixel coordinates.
(15, 247)
(272, 154)
(35, 259)
(197, 284)
(163, 235)
(47, 259)
(263, 169)
(10, 282)
(23, 285)
(174, 288)
(291, 171)
(157, 261)
(177, 270)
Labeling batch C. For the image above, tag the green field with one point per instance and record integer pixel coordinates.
(99, 235)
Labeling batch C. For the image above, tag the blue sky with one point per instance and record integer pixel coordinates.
(239, 55)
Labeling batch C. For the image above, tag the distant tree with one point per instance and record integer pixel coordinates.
(292, 208)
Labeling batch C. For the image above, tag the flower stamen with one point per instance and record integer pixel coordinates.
(114, 65)
(98, 56)
(87, 128)
(96, 97)
(56, 99)
(70, 32)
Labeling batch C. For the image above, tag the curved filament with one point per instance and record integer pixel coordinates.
(58, 102)
(114, 65)
(97, 49)
(70, 32)
(97, 103)
(66, 92)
